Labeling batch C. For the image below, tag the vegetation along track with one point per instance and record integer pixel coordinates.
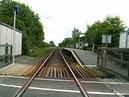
(55, 65)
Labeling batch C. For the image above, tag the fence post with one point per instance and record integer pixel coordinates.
(105, 63)
(106, 55)
(128, 72)
(102, 59)
(11, 54)
(98, 57)
(121, 56)
(6, 53)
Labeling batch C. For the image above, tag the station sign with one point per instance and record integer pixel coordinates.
(106, 38)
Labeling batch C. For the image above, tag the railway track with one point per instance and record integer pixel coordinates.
(56, 68)
(55, 65)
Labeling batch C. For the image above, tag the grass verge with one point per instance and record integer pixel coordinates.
(38, 52)
(101, 72)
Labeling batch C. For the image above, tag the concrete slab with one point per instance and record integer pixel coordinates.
(86, 57)
(26, 60)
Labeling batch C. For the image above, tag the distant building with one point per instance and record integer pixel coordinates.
(6, 37)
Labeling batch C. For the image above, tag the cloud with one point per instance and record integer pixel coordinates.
(59, 17)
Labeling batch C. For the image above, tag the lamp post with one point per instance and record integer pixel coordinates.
(16, 10)
(81, 40)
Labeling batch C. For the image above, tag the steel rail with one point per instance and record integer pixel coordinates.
(21, 91)
(76, 58)
(81, 88)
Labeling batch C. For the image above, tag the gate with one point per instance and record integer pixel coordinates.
(5, 54)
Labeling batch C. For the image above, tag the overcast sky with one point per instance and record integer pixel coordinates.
(59, 17)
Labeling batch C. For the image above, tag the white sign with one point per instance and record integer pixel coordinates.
(106, 38)
(123, 40)
(127, 41)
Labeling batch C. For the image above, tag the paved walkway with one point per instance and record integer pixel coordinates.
(22, 60)
(9, 85)
(86, 57)
(26, 60)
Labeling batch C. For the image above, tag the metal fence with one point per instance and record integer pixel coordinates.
(5, 54)
(114, 59)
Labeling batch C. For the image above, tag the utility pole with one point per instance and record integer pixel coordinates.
(16, 10)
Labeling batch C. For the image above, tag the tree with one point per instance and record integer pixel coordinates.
(110, 25)
(113, 26)
(67, 42)
(94, 32)
(75, 34)
(28, 22)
